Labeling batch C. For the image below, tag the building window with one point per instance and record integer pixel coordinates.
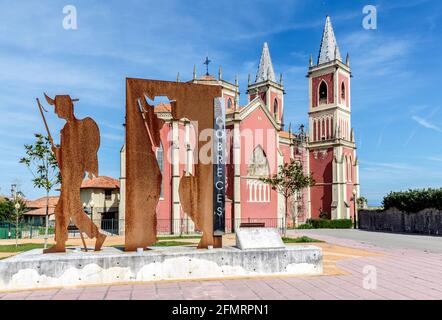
(108, 194)
(160, 160)
(229, 103)
(343, 91)
(258, 167)
(323, 93)
(275, 107)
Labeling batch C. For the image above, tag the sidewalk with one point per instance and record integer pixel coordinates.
(399, 273)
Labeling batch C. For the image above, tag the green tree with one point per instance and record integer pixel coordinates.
(6, 209)
(289, 180)
(361, 202)
(42, 163)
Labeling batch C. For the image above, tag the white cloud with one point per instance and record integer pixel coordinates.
(426, 124)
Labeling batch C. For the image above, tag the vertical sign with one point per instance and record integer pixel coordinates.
(219, 167)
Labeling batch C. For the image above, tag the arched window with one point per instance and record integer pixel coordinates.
(343, 90)
(323, 93)
(258, 165)
(275, 107)
(229, 103)
(160, 160)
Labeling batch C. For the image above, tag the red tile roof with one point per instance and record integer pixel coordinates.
(207, 77)
(38, 207)
(100, 183)
(41, 203)
(162, 107)
(40, 212)
(286, 135)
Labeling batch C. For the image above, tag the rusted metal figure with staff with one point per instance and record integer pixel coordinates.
(76, 155)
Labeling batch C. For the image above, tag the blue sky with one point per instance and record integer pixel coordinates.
(396, 93)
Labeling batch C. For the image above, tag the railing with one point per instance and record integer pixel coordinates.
(115, 227)
(24, 230)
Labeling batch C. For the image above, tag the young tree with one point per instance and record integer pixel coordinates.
(289, 180)
(18, 209)
(43, 165)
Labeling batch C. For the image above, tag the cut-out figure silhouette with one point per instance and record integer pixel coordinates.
(76, 155)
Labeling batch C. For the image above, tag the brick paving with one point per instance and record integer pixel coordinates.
(401, 274)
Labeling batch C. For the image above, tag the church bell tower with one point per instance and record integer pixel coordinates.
(267, 87)
(331, 146)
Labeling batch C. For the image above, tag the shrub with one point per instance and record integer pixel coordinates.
(305, 226)
(414, 200)
(327, 224)
(300, 240)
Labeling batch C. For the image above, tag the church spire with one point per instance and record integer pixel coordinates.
(265, 69)
(329, 50)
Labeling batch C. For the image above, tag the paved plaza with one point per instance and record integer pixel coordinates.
(400, 273)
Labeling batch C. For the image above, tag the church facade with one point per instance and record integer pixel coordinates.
(257, 145)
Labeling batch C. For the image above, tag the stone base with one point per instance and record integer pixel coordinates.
(258, 238)
(32, 269)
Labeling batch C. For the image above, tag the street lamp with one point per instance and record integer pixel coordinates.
(355, 214)
(92, 204)
(17, 207)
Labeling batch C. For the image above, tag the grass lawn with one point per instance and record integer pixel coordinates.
(11, 248)
(300, 240)
(171, 243)
(177, 237)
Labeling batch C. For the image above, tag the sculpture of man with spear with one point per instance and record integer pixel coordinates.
(76, 155)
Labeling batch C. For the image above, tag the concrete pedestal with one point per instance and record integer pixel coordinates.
(32, 269)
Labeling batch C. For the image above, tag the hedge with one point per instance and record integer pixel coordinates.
(413, 201)
(327, 224)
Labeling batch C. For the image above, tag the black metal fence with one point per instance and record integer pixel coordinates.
(115, 227)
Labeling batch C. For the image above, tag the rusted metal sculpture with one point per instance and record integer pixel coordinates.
(76, 155)
(143, 177)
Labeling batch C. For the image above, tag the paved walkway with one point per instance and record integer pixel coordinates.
(377, 239)
(399, 273)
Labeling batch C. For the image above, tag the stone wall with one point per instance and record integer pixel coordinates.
(428, 221)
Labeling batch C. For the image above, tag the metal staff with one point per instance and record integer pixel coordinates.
(44, 120)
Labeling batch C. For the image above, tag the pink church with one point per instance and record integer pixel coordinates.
(257, 145)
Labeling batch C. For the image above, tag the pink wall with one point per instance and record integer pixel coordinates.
(164, 205)
(321, 192)
(232, 98)
(328, 78)
(349, 153)
(258, 120)
(263, 96)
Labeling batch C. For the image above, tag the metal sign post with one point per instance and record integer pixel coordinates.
(219, 171)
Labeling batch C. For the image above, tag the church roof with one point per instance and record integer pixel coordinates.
(329, 50)
(265, 69)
